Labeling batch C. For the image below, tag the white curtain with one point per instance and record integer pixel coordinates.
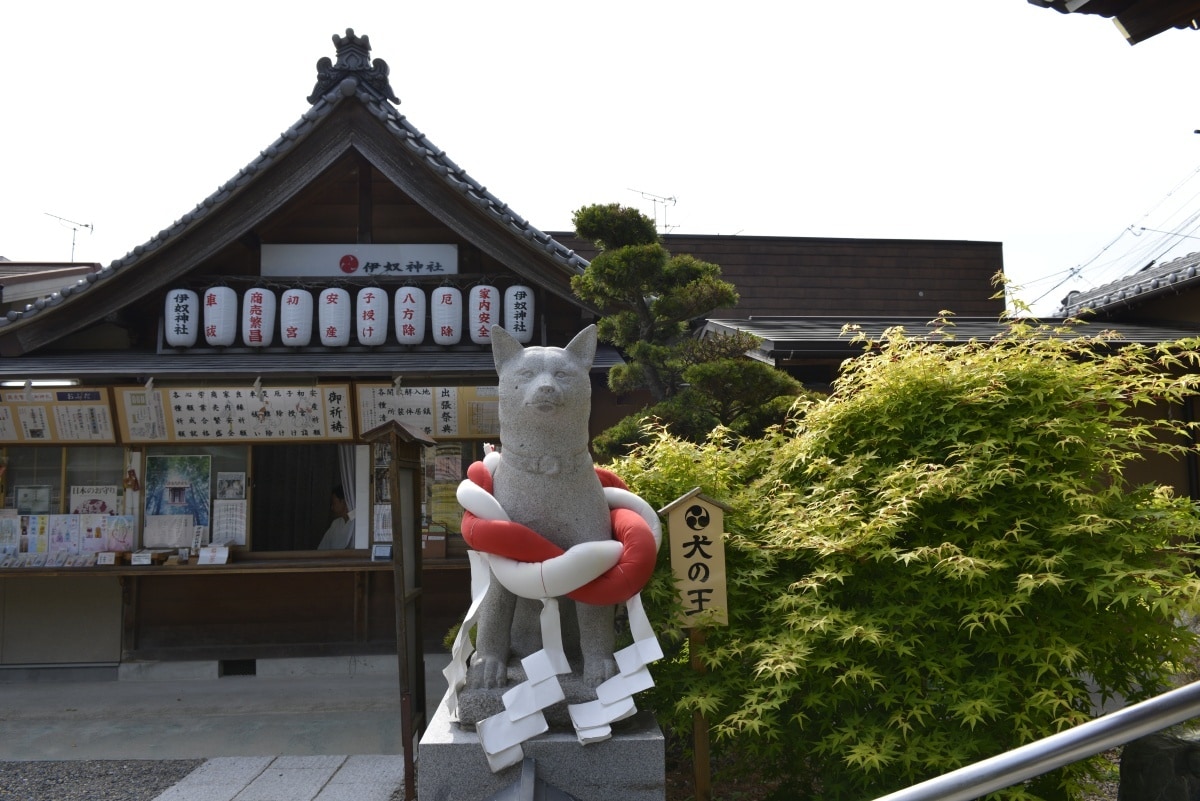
(346, 464)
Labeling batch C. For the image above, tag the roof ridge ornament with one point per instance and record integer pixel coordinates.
(353, 61)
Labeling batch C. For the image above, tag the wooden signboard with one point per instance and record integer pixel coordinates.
(235, 414)
(56, 416)
(696, 526)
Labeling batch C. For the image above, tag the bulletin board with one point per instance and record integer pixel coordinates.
(440, 412)
(56, 416)
(235, 414)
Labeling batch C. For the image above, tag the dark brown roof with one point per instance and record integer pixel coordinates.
(778, 276)
(465, 363)
(789, 338)
(1137, 20)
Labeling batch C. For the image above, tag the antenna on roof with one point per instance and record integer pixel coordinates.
(75, 226)
(657, 199)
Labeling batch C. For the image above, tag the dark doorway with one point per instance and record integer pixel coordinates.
(292, 484)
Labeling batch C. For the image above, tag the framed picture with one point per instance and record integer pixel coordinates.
(231, 486)
(178, 497)
(33, 499)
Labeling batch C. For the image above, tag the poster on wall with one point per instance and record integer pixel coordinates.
(64, 534)
(34, 533)
(178, 493)
(120, 533)
(142, 415)
(10, 533)
(235, 414)
(51, 416)
(229, 522)
(100, 500)
(440, 412)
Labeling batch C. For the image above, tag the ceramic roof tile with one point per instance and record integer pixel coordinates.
(809, 337)
(1150, 281)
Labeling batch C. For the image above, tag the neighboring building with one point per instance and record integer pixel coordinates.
(798, 293)
(1167, 291)
(25, 282)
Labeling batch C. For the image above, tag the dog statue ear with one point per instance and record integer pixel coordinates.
(504, 347)
(583, 347)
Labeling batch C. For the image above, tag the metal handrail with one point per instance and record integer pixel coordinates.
(1041, 756)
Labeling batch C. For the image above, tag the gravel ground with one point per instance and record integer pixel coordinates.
(144, 780)
(91, 780)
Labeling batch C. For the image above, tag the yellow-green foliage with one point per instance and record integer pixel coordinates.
(927, 567)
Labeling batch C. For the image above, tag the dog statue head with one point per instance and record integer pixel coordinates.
(545, 393)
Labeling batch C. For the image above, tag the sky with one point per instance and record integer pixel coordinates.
(983, 120)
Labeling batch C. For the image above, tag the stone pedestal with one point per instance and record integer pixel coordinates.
(631, 766)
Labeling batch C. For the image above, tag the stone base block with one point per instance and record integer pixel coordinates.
(475, 705)
(631, 766)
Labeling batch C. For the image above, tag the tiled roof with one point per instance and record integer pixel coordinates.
(354, 80)
(1157, 279)
(465, 363)
(824, 337)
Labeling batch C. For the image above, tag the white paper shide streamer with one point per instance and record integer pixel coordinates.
(296, 318)
(181, 318)
(220, 316)
(333, 317)
(502, 734)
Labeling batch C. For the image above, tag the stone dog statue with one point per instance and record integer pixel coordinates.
(545, 481)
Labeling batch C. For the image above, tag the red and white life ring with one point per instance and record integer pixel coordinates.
(529, 565)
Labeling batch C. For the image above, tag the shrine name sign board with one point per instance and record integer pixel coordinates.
(359, 261)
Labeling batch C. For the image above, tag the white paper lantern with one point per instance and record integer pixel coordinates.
(220, 316)
(181, 318)
(446, 309)
(518, 313)
(410, 315)
(371, 316)
(333, 317)
(258, 318)
(295, 318)
(483, 311)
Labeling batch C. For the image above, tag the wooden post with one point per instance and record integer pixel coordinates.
(400, 591)
(701, 762)
(696, 528)
(404, 444)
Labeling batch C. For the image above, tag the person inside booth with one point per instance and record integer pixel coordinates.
(340, 534)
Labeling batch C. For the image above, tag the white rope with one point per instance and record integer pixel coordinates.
(502, 735)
